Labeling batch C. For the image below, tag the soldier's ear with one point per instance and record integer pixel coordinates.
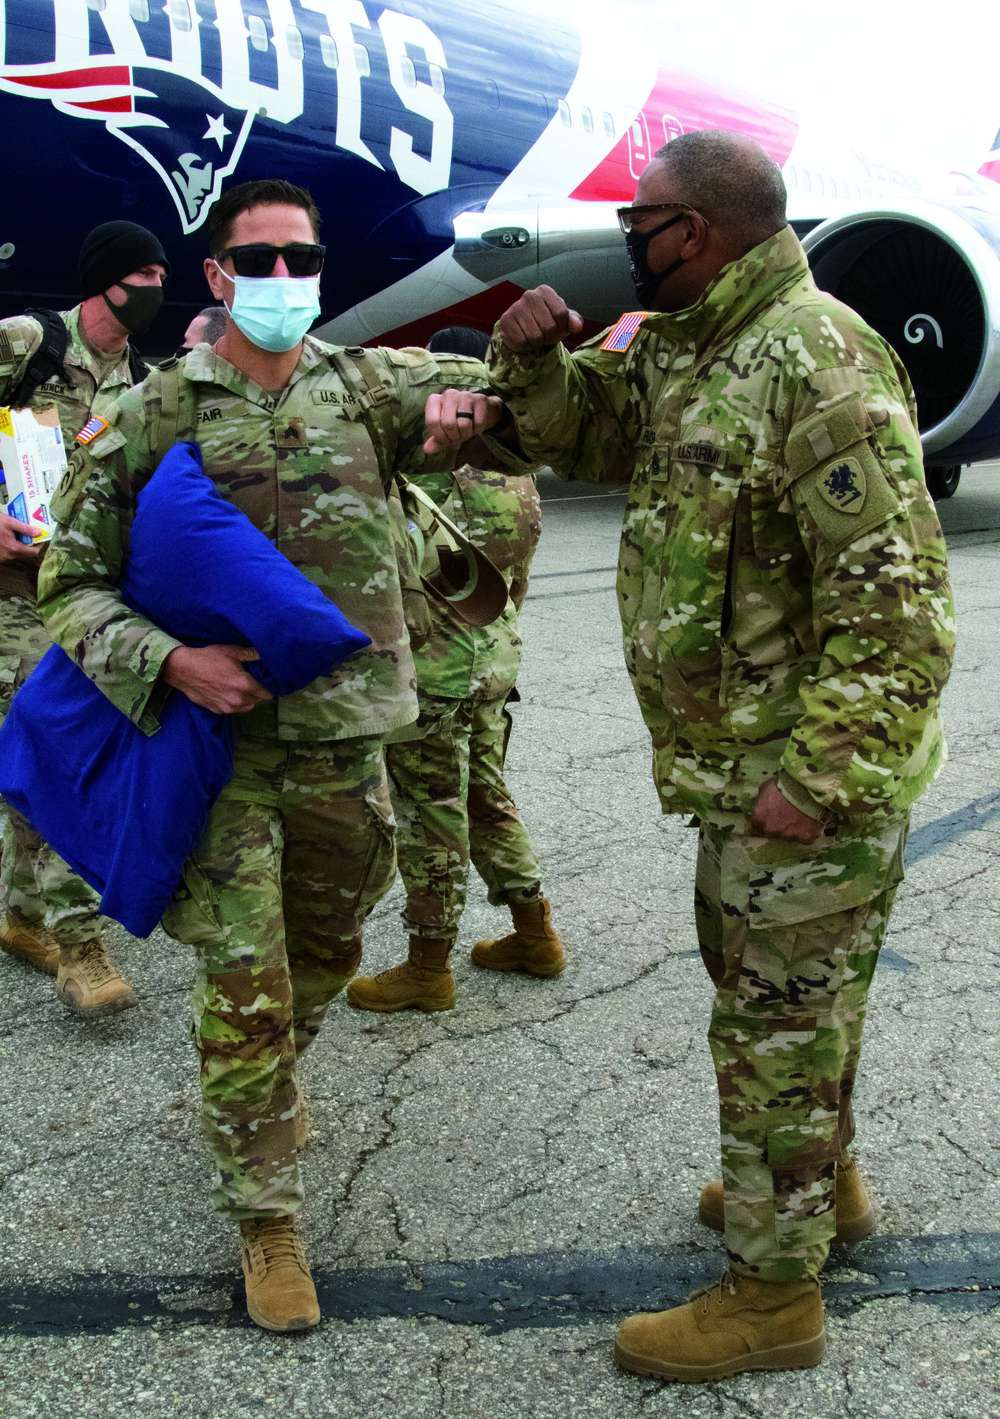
(695, 236)
(217, 282)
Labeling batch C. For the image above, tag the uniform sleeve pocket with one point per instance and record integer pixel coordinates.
(836, 476)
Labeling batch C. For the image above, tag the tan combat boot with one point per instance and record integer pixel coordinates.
(89, 983)
(31, 944)
(855, 1213)
(423, 982)
(532, 947)
(280, 1290)
(739, 1324)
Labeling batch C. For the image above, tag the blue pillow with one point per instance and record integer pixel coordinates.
(199, 568)
(126, 809)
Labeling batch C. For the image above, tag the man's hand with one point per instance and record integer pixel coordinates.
(214, 678)
(775, 817)
(457, 415)
(538, 320)
(10, 547)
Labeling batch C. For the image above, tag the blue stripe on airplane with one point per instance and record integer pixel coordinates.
(505, 68)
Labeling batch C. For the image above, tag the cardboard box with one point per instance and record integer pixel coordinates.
(33, 460)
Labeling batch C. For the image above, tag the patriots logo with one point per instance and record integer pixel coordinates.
(158, 113)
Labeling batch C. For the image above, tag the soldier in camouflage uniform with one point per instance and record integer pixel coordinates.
(788, 629)
(304, 438)
(451, 802)
(52, 918)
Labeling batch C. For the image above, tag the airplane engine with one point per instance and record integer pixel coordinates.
(575, 247)
(927, 278)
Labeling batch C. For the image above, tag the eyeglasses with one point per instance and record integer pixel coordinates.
(628, 216)
(258, 258)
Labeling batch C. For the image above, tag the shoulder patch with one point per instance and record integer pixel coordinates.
(843, 485)
(620, 336)
(6, 350)
(92, 429)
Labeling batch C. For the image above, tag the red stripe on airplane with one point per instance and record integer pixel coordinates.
(679, 103)
(74, 78)
(480, 312)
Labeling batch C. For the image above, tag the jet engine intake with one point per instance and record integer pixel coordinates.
(927, 277)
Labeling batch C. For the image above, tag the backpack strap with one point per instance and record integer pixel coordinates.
(357, 369)
(47, 359)
(172, 420)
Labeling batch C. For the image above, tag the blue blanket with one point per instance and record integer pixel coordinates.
(124, 809)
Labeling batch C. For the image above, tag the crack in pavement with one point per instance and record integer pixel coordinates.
(536, 1290)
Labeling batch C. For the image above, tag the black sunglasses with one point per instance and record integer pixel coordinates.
(258, 258)
(628, 216)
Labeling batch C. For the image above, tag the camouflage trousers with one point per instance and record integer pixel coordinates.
(790, 937)
(39, 889)
(298, 850)
(452, 806)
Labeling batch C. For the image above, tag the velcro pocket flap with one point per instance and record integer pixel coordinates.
(107, 443)
(835, 472)
(789, 884)
(824, 435)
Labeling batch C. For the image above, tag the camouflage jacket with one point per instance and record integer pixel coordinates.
(20, 337)
(304, 469)
(502, 516)
(782, 578)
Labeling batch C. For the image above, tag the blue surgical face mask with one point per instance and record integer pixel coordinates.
(274, 311)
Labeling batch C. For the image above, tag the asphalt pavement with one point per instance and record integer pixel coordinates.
(490, 1190)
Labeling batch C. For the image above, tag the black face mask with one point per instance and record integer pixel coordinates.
(139, 309)
(647, 282)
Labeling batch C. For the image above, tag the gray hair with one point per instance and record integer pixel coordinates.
(730, 180)
(215, 322)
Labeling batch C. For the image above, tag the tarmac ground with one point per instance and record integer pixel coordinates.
(491, 1190)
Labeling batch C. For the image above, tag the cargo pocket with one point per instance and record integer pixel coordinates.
(379, 869)
(807, 911)
(416, 615)
(193, 915)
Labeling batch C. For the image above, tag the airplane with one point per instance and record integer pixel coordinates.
(460, 151)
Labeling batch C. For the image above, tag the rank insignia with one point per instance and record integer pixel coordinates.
(92, 429)
(843, 486)
(620, 337)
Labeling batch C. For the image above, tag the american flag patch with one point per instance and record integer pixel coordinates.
(622, 335)
(92, 429)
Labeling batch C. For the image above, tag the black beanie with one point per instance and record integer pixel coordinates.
(114, 250)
